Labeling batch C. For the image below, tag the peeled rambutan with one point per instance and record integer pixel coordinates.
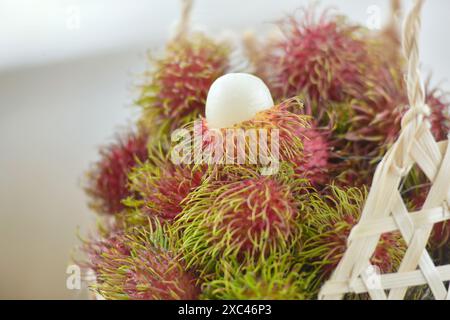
(176, 91)
(139, 264)
(108, 179)
(245, 217)
(162, 187)
(326, 230)
(276, 277)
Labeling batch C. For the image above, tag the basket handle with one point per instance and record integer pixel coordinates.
(415, 89)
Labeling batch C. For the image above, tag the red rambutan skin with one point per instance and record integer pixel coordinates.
(199, 68)
(266, 206)
(108, 180)
(330, 64)
(129, 267)
(322, 57)
(181, 81)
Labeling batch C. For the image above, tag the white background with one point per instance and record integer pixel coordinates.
(69, 72)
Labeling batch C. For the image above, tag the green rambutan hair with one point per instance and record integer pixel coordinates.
(276, 277)
(240, 215)
(140, 263)
(326, 229)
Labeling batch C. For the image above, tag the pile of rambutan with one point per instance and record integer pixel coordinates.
(220, 230)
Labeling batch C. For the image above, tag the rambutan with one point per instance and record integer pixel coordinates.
(372, 125)
(440, 113)
(139, 264)
(415, 198)
(289, 138)
(279, 119)
(377, 122)
(176, 91)
(440, 237)
(326, 230)
(377, 118)
(108, 179)
(245, 217)
(162, 187)
(323, 57)
(276, 277)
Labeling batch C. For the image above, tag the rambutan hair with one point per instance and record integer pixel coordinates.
(276, 277)
(179, 82)
(140, 264)
(243, 216)
(326, 229)
(107, 181)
